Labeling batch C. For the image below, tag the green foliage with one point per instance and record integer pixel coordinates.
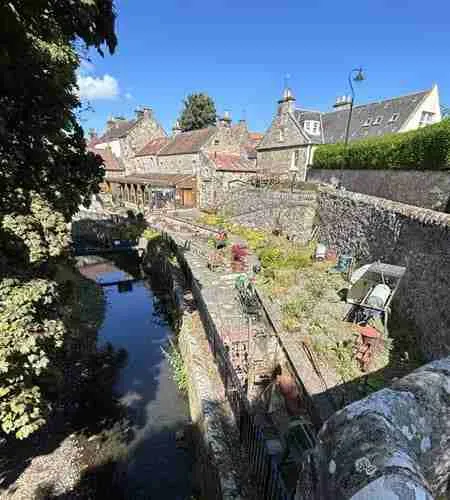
(199, 112)
(211, 220)
(425, 149)
(178, 367)
(284, 256)
(150, 233)
(45, 174)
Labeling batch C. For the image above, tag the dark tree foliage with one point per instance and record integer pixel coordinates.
(45, 174)
(199, 112)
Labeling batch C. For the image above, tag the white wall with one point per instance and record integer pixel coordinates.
(114, 145)
(430, 103)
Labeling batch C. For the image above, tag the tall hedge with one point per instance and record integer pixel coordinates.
(427, 148)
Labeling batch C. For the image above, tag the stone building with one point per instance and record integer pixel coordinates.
(288, 145)
(146, 168)
(127, 137)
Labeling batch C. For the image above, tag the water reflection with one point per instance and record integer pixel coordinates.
(157, 468)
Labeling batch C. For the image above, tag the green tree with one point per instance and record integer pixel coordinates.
(199, 112)
(45, 174)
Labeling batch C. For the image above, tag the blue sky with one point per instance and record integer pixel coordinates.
(240, 51)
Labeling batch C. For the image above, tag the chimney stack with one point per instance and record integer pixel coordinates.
(92, 134)
(343, 102)
(225, 121)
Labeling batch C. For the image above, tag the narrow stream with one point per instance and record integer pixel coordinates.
(157, 468)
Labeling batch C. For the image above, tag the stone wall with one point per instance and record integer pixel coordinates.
(280, 160)
(428, 189)
(179, 164)
(146, 129)
(225, 140)
(373, 228)
(393, 444)
(292, 213)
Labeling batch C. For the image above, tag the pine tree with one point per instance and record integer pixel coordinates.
(199, 112)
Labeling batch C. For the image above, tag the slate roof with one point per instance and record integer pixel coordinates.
(116, 131)
(231, 163)
(188, 142)
(302, 115)
(334, 123)
(153, 147)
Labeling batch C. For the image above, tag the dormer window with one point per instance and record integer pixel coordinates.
(377, 120)
(426, 118)
(312, 127)
(394, 117)
(366, 123)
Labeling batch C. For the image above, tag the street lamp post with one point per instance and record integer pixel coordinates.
(359, 77)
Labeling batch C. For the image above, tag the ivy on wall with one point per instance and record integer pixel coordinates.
(427, 148)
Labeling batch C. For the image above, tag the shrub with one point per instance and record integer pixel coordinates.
(425, 149)
(150, 233)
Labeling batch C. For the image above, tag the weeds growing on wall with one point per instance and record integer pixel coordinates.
(177, 366)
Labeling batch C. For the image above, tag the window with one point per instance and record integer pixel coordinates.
(426, 118)
(281, 135)
(394, 117)
(216, 142)
(312, 127)
(296, 157)
(366, 123)
(377, 120)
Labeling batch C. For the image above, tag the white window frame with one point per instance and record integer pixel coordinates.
(312, 127)
(377, 120)
(426, 117)
(394, 117)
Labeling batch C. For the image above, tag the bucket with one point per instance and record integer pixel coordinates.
(379, 296)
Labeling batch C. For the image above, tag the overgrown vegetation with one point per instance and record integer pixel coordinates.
(427, 148)
(46, 173)
(150, 233)
(178, 367)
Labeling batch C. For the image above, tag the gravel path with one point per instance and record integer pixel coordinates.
(57, 472)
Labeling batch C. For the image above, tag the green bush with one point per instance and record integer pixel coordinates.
(427, 148)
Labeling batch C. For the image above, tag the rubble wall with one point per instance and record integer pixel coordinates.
(424, 188)
(373, 228)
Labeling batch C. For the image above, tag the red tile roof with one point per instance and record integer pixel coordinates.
(181, 181)
(117, 130)
(110, 160)
(188, 142)
(231, 163)
(153, 147)
(254, 138)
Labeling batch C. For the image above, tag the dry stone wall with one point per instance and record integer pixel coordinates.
(376, 229)
(292, 213)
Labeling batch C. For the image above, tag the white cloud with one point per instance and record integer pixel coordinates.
(129, 96)
(92, 88)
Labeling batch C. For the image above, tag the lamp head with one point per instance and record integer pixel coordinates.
(359, 77)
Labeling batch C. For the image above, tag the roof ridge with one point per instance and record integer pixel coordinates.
(380, 101)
